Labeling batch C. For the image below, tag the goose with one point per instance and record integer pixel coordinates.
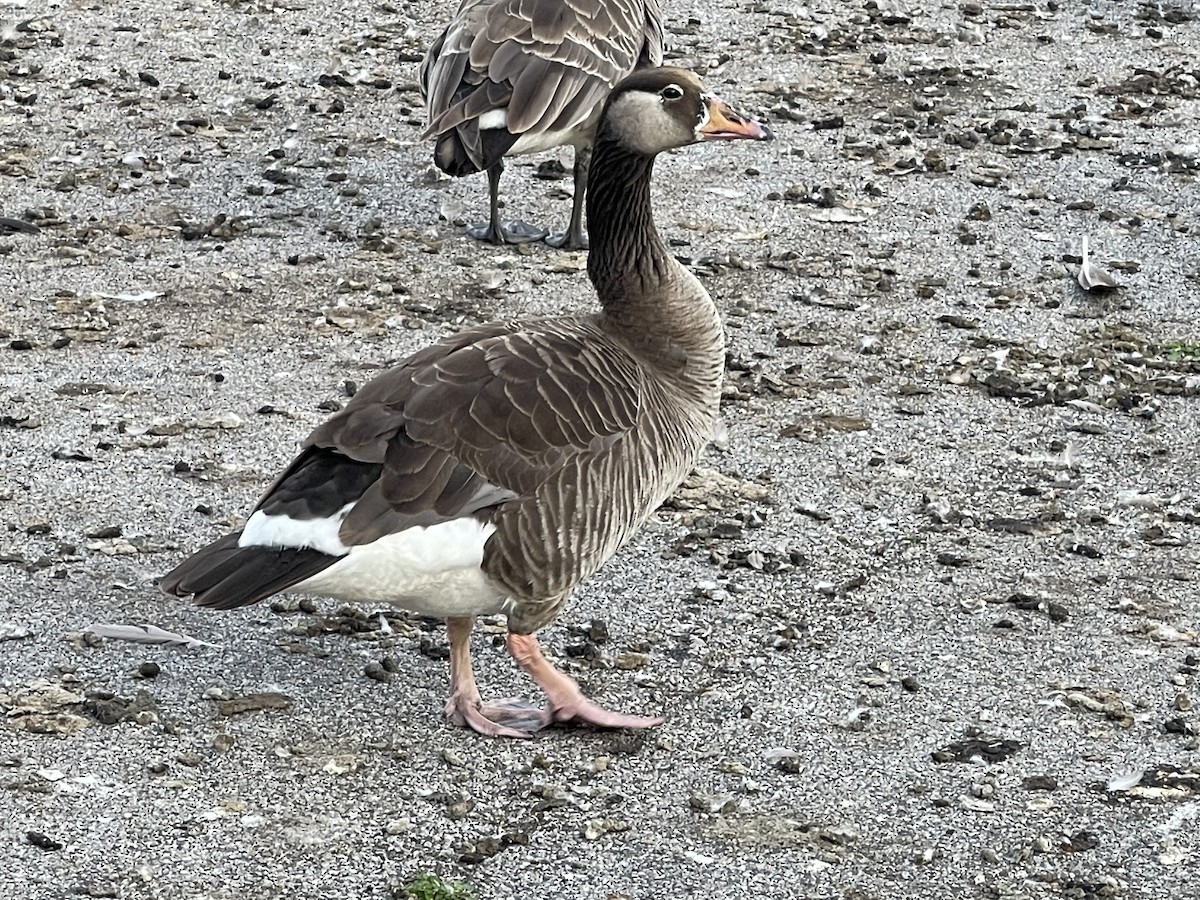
(494, 470)
(510, 77)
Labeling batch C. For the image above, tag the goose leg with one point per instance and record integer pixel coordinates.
(465, 708)
(497, 232)
(566, 702)
(574, 237)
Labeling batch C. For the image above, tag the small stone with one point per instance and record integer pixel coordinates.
(790, 763)
(42, 842)
(1039, 783)
(398, 826)
(223, 742)
(910, 683)
(713, 803)
(221, 419)
(453, 758)
(149, 669)
(377, 672)
(342, 764)
(164, 427)
(594, 829)
(460, 809)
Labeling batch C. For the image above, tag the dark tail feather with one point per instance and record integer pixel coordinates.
(226, 576)
(450, 155)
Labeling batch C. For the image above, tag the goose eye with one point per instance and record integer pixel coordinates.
(671, 92)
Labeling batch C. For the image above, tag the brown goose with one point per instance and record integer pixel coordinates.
(509, 77)
(495, 470)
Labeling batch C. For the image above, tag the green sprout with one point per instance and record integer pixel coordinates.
(428, 886)
(1176, 351)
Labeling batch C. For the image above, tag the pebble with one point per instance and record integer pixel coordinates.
(377, 672)
(149, 669)
(1039, 783)
(399, 826)
(594, 829)
(42, 841)
(630, 661)
(223, 742)
(714, 803)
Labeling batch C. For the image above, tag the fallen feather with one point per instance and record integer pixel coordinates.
(11, 631)
(840, 214)
(146, 634)
(1092, 277)
(1126, 781)
(132, 296)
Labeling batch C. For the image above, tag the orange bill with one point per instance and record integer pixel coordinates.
(726, 124)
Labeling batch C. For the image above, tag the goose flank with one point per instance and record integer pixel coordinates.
(496, 469)
(510, 77)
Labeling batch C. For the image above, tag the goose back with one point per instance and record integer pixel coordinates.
(535, 71)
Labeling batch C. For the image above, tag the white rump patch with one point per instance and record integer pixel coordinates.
(434, 571)
(262, 530)
(493, 118)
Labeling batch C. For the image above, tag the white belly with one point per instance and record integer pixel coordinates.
(434, 571)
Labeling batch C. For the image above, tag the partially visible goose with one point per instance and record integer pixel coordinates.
(509, 77)
(498, 468)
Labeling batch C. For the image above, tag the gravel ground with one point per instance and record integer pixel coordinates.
(927, 625)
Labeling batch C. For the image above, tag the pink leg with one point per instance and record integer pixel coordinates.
(465, 708)
(566, 701)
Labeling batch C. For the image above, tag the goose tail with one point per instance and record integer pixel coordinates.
(226, 576)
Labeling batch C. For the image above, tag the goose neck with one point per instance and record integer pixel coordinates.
(627, 259)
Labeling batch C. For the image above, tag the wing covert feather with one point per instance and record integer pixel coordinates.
(485, 416)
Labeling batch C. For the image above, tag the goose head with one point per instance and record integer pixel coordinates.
(660, 109)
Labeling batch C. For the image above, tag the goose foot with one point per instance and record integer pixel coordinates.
(465, 708)
(501, 718)
(514, 718)
(566, 702)
(512, 232)
(566, 240)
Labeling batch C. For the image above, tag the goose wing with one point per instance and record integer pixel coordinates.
(547, 63)
(459, 429)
